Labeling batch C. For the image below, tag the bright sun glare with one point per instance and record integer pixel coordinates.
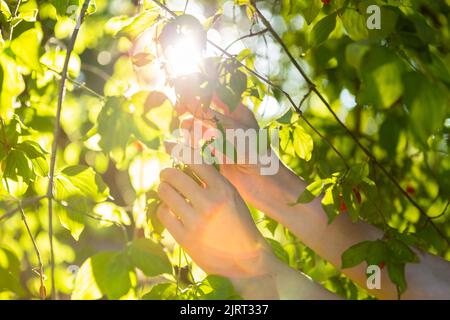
(184, 55)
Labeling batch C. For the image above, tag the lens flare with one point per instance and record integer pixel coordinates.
(184, 56)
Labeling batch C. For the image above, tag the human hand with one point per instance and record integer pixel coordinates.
(259, 190)
(212, 222)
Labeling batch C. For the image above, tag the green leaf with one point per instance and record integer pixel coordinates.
(355, 52)
(389, 134)
(329, 205)
(428, 105)
(309, 9)
(26, 48)
(311, 192)
(238, 82)
(149, 257)
(112, 273)
(40, 166)
(10, 272)
(278, 250)
(228, 97)
(303, 143)
(111, 120)
(377, 252)
(396, 273)
(9, 282)
(351, 202)
(71, 218)
(88, 182)
(32, 149)
(139, 24)
(400, 252)
(4, 9)
(106, 273)
(63, 6)
(217, 288)
(381, 74)
(17, 164)
(389, 17)
(162, 291)
(86, 287)
(11, 84)
(111, 212)
(355, 24)
(322, 30)
(28, 15)
(355, 254)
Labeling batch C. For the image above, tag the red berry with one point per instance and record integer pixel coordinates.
(139, 147)
(357, 195)
(381, 265)
(343, 206)
(326, 2)
(410, 189)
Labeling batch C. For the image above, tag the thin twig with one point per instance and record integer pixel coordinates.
(185, 6)
(443, 211)
(57, 129)
(16, 11)
(95, 217)
(36, 249)
(249, 35)
(77, 83)
(25, 203)
(313, 87)
(96, 70)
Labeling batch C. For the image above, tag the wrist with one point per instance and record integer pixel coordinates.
(283, 190)
(262, 286)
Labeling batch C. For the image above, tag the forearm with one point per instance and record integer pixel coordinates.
(281, 282)
(310, 224)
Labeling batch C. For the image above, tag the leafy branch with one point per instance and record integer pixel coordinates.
(57, 128)
(366, 151)
(269, 83)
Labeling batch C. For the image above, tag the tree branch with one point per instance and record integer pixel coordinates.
(313, 87)
(42, 290)
(250, 35)
(57, 129)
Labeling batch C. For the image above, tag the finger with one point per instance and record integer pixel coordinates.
(176, 203)
(198, 131)
(171, 223)
(190, 105)
(242, 114)
(207, 173)
(182, 183)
